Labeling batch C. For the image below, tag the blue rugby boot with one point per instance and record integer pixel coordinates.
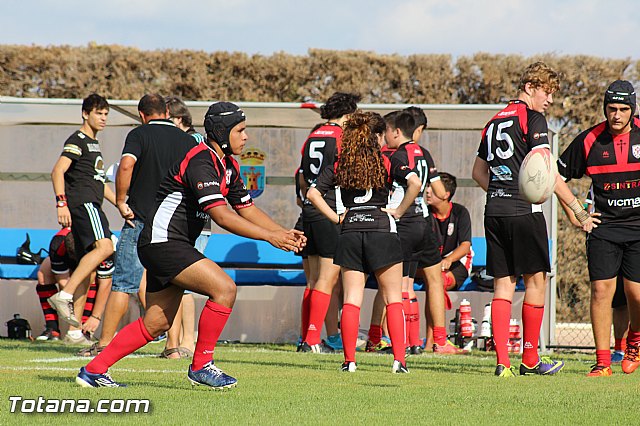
(90, 380)
(211, 376)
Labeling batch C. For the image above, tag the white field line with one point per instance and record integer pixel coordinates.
(125, 370)
(82, 358)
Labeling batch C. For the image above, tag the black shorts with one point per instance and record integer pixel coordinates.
(460, 273)
(89, 224)
(368, 251)
(411, 235)
(322, 238)
(619, 298)
(516, 245)
(164, 261)
(607, 259)
(61, 264)
(430, 254)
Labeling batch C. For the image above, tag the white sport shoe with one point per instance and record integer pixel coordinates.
(349, 367)
(64, 309)
(398, 367)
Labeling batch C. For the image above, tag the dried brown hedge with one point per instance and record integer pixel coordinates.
(127, 73)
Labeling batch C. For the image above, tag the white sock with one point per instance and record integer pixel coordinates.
(65, 296)
(75, 333)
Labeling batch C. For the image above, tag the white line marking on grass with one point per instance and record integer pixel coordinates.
(78, 358)
(124, 370)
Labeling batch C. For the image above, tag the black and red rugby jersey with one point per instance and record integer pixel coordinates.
(200, 181)
(320, 151)
(613, 163)
(363, 206)
(412, 159)
(506, 139)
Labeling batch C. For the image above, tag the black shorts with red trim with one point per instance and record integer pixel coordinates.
(607, 259)
(164, 261)
(322, 238)
(368, 251)
(516, 245)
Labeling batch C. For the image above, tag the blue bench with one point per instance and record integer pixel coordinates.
(10, 240)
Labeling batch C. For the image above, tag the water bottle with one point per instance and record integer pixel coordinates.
(466, 323)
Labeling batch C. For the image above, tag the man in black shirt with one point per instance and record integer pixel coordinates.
(609, 153)
(149, 152)
(515, 229)
(79, 184)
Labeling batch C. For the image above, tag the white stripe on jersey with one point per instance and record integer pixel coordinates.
(245, 198)
(340, 208)
(96, 223)
(536, 208)
(392, 224)
(128, 154)
(160, 229)
(210, 197)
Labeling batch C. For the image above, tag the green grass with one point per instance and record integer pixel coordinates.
(278, 386)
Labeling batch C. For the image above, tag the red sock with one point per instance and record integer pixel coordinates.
(131, 338)
(45, 291)
(210, 325)
(349, 323)
(531, 322)
(318, 306)
(406, 308)
(620, 344)
(395, 322)
(603, 357)
(91, 299)
(447, 280)
(500, 316)
(375, 333)
(306, 303)
(440, 336)
(633, 337)
(414, 323)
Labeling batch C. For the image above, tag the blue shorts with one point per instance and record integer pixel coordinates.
(128, 272)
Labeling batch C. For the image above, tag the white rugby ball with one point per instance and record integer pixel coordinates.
(537, 177)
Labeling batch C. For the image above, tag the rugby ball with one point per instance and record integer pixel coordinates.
(537, 177)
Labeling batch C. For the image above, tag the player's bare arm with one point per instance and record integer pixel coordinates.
(235, 223)
(319, 203)
(123, 182)
(413, 190)
(480, 173)
(57, 178)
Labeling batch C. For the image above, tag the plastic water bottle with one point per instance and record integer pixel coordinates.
(514, 336)
(466, 322)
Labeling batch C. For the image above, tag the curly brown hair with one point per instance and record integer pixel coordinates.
(360, 163)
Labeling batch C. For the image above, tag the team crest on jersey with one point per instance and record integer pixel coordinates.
(635, 151)
(450, 229)
(253, 171)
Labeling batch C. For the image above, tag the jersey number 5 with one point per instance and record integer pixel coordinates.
(500, 135)
(316, 150)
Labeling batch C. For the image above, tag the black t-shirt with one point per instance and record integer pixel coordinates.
(411, 159)
(85, 178)
(613, 163)
(363, 206)
(506, 140)
(200, 181)
(320, 151)
(453, 229)
(156, 147)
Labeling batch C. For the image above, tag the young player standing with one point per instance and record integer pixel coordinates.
(609, 153)
(516, 231)
(368, 241)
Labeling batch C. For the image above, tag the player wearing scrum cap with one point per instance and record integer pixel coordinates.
(609, 153)
(509, 219)
(195, 188)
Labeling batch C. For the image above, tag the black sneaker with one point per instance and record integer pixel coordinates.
(399, 367)
(415, 350)
(49, 335)
(319, 348)
(349, 367)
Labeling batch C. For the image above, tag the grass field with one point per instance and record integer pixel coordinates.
(278, 386)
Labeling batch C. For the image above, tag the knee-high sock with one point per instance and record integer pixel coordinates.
(212, 321)
(633, 337)
(349, 323)
(414, 323)
(603, 357)
(440, 336)
(531, 322)
(375, 333)
(319, 304)
(500, 316)
(91, 299)
(406, 308)
(45, 291)
(395, 322)
(306, 304)
(131, 338)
